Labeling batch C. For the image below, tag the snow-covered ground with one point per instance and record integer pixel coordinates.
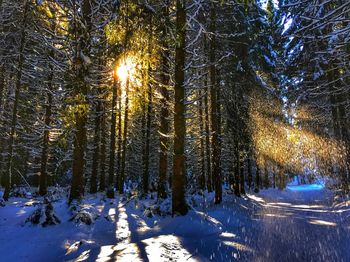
(292, 225)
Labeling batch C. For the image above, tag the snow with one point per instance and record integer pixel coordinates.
(290, 225)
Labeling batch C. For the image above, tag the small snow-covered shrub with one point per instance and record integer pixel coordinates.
(44, 215)
(56, 193)
(2, 201)
(83, 217)
(83, 214)
(165, 207)
(21, 192)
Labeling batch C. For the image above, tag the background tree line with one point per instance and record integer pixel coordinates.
(237, 93)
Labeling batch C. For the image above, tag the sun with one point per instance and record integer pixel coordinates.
(126, 69)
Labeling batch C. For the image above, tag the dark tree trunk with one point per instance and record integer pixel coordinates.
(125, 137)
(236, 172)
(147, 146)
(250, 174)
(2, 86)
(145, 176)
(96, 149)
(257, 179)
(2, 91)
(110, 187)
(81, 89)
(46, 137)
(179, 172)
(201, 138)
(18, 85)
(207, 139)
(48, 113)
(164, 117)
(102, 184)
(266, 176)
(164, 113)
(120, 138)
(214, 110)
(241, 178)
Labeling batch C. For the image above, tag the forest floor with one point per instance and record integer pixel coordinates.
(298, 224)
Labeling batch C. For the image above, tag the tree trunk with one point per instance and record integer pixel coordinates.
(120, 137)
(257, 179)
(242, 178)
(207, 139)
(46, 137)
(250, 174)
(81, 88)
(179, 173)
(48, 113)
(236, 172)
(8, 174)
(110, 187)
(125, 137)
(96, 149)
(2, 86)
(201, 138)
(102, 184)
(145, 177)
(266, 176)
(164, 119)
(214, 110)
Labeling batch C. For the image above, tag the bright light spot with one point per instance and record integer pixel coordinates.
(126, 69)
(83, 256)
(322, 222)
(111, 212)
(257, 199)
(166, 248)
(105, 253)
(275, 215)
(308, 187)
(21, 212)
(227, 234)
(237, 246)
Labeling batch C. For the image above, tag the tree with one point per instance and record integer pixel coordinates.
(179, 174)
(81, 26)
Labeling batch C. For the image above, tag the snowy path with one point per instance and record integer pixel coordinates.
(270, 226)
(301, 226)
(273, 226)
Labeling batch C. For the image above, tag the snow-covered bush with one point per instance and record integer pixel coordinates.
(2, 202)
(44, 215)
(21, 192)
(83, 214)
(160, 208)
(56, 193)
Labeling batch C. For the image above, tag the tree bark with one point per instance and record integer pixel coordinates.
(120, 138)
(18, 85)
(201, 138)
(48, 113)
(81, 89)
(96, 149)
(125, 137)
(207, 139)
(46, 137)
(102, 184)
(179, 173)
(145, 180)
(164, 111)
(110, 188)
(214, 110)
(242, 177)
